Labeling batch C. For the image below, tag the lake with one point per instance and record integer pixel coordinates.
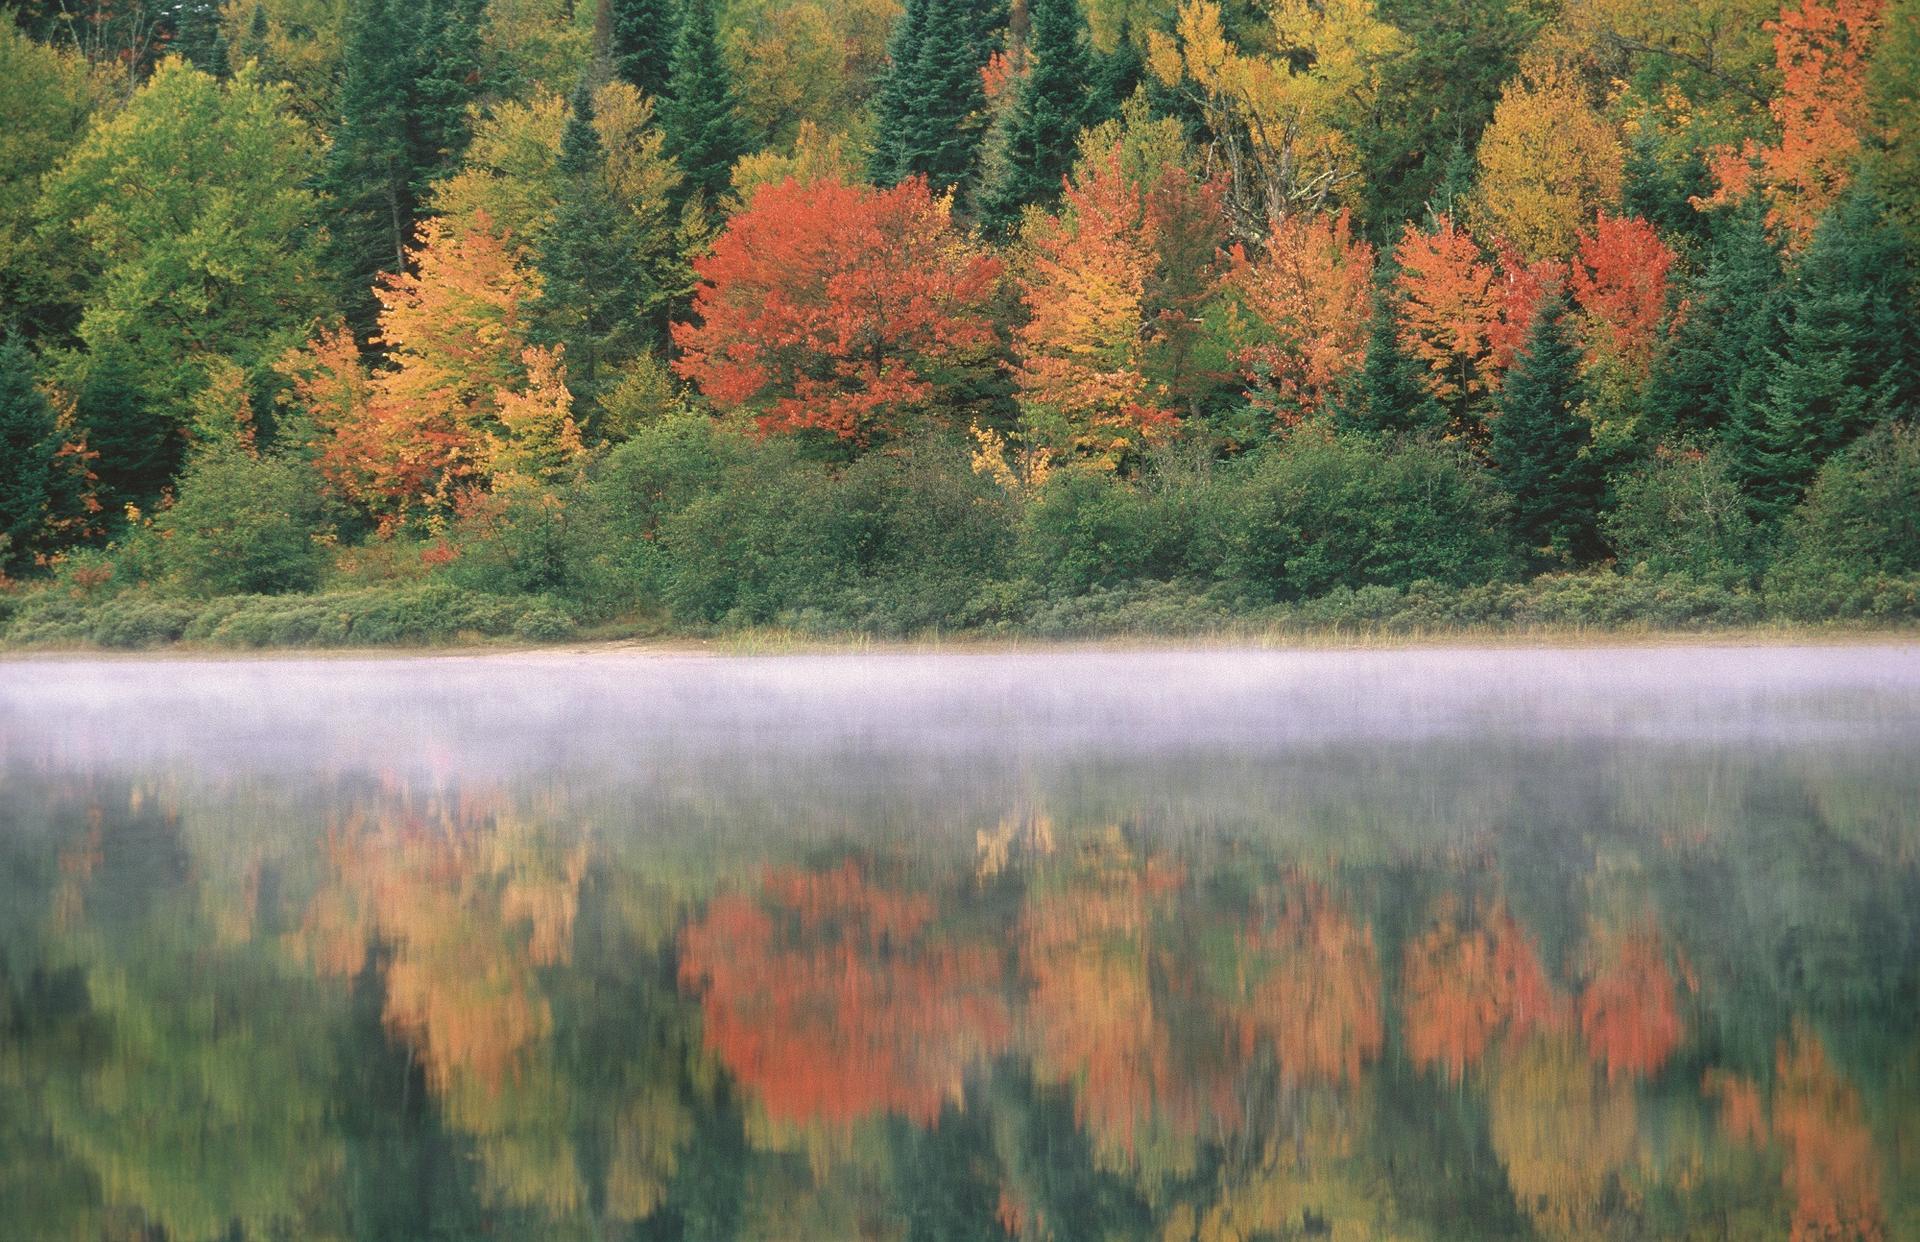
(1424, 944)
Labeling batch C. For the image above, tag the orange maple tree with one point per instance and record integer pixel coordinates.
(1519, 288)
(1822, 51)
(1113, 284)
(1308, 297)
(838, 308)
(1620, 284)
(1450, 309)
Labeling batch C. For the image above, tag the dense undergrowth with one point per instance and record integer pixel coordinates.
(693, 529)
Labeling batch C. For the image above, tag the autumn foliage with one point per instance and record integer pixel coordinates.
(1306, 301)
(1464, 982)
(1822, 52)
(837, 308)
(1620, 284)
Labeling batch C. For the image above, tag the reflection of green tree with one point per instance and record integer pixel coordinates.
(204, 1109)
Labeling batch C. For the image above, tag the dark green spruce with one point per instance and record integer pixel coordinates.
(28, 440)
(1053, 103)
(700, 114)
(592, 300)
(1540, 444)
(1390, 396)
(643, 36)
(931, 114)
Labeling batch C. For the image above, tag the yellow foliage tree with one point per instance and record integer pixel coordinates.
(1278, 117)
(1548, 163)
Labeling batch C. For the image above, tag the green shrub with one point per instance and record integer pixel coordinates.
(1318, 513)
(1682, 513)
(644, 482)
(243, 525)
(1087, 528)
(130, 622)
(1861, 516)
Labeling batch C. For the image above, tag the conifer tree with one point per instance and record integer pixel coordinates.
(1116, 75)
(1847, 357)
(643, 35)
(198, 36)
(253, 44)
(28, 441)
(1540, 441)
(892, 103)
(1053, 104)
(410, 72)
(591, 299)
(932, 110)
(700, 113)
(1390, 396)
(1712, 365)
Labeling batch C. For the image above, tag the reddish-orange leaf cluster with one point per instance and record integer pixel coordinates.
(1464, 984)
(1309, 297)
(1113, 285)
(837, 307)
(1822, 50)
(1315, 990)
(1520, 287)
(1629, 1013)
(1620, 285)
(1450, 310)
(833, 1000)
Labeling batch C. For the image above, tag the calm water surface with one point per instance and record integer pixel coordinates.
(1420, 945)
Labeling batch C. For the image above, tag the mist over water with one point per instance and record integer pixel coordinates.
(1428, 944)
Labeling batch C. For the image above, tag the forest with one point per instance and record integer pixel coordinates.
(367, 321)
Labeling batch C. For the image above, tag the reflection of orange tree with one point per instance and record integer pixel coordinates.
(1629, 1010)
(1104, 990)
(1832, 1170)
(1310, 985)
(470, 902)
(834, 998)
(1466, 981)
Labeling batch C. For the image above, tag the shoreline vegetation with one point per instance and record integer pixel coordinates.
(982, 321)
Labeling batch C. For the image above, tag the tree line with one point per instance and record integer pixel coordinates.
(294, 287)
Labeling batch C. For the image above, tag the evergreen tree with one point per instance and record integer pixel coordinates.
(932, 109)
(1541, 439)
(410, 72)
(197, 36)
(643, 36)
(892, 103)
(253, 45)
(1390, 396)
(591, 298)
(700, 114)
(1712, 367)
(28, 440)
(1848, 356)
(1117, 75)
(1053, 103)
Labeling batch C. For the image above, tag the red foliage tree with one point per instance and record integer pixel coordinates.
(1450, 310)
(837, 307)
(1620, 285)
(1308, 299)
(1822, 51)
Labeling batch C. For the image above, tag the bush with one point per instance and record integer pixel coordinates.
(753, 547)
(243, 525)
(1683, 514)
(1088, 528)
(1320, 513)
(1862, 514)
(656, 475)
(141, 622)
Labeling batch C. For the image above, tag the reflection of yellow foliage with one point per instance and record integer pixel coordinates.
(1562, 1133)
(994, 848)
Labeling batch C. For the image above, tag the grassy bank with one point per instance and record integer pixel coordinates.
(1598, 605)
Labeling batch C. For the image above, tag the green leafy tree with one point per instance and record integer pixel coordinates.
(45, 96)
(592, 300)
(28, 441)
(1052, 106)
(1849, 356)
(701, 115)
(1540, 443)
(1682, 512)
(642, 43)
(194, 205)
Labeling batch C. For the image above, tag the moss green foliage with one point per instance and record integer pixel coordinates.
(28, 442)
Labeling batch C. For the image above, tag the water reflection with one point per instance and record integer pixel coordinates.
(1600, 985)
